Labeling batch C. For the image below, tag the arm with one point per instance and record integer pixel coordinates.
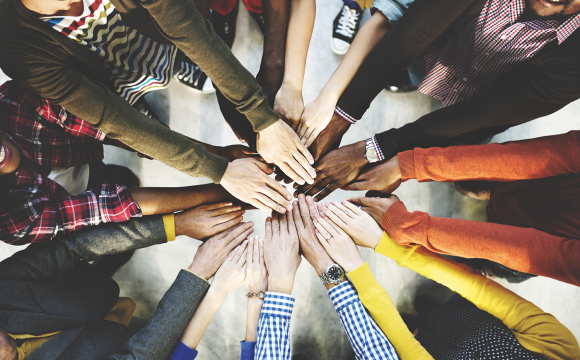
(536, 330)
(289, 101)
(523, 249)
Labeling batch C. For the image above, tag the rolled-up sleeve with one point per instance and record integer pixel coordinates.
(392, 9)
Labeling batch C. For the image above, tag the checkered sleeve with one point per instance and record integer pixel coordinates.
(344, 115)
(366, 338)
(274, 326)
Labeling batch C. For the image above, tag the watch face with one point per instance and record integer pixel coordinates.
(334, 273)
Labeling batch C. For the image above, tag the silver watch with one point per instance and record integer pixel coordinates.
(333, 274)
(370, 152)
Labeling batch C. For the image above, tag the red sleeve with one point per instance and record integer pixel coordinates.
(523, 249)
(517, 160)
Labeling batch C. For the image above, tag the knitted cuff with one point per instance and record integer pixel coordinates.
(407, 165)
(394, 218)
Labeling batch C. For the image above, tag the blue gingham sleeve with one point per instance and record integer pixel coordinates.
(366, 338)
(274, 327)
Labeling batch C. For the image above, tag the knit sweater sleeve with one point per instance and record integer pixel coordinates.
(535, 329)
(516, 160)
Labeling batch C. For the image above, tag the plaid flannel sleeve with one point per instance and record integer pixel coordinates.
(274, 326)
(366, 338)
(42, 216)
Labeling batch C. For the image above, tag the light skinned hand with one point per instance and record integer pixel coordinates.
(234, 152)
(248, 180)
(312, 249)
(233, 271)
(315, 118)
(207, 220)
(337, 244)
(375, 204)
(278, 144)
(281, 252)
(289, 104)
(212, 254)
(359, 225)
(384, 177)
(256, 273)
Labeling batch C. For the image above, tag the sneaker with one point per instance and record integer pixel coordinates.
(225, 25)
(144, 108)
(259, 19)
(401, 83)
(346, 25)
(191, 75)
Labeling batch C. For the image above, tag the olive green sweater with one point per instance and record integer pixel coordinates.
(56, 68)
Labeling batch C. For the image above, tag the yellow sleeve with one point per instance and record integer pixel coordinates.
(536, 330)
(195, 274)
(169, 224)
(383, 311)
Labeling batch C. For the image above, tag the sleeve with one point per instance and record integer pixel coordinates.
(392, 9)
(365, 337)
(248, 350)
(42, 216)
(274, 327)
(535, 330)
(523, 249)
(181, 23)
(517, 160)
(380, 306)
(182, 352)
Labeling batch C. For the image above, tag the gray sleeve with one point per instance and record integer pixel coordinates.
(158, 338)
(392, 9)
(41, 262)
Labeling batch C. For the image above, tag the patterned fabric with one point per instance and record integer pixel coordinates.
(366, 338)
(137, 63)
(345, 116)
(459, 330)
(274, 326)
(33, 208)
(490, 46)
(377, 148)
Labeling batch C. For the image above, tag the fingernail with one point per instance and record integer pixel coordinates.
(301, 196)
(301, 182)
(295, 203)
(310, 182)
(282, 210)
(289, 198)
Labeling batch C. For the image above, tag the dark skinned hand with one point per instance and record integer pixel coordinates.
(233, 152)
(375, 203)
(337, 169)
(384, 177)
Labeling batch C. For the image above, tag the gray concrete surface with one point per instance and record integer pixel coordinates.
(316, 331)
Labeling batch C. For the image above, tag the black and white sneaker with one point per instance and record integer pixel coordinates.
(346, 25)
(191, 75)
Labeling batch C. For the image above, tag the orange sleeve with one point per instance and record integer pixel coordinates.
(523, 249)
(517, 160)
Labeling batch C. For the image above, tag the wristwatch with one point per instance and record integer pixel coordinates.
(370, 152)
(333, 274)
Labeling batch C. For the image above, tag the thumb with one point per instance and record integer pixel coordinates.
(354, 186)
(360, 201)
(377, 194)
(264, 167)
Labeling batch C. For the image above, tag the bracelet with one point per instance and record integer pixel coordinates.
(259, 295)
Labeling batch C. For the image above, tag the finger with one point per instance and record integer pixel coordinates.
(359, 185)
(255, 250)
(276, 197)
(304, 151)
(283, 219)
(352, 207)
(270, 203)
(238, 251)
(299, 164)
(321, 228)
(326, 191)
(261, 251)
(322, 239)
(225, 204)
(298, 220)
(239, 239)
(261, 206)
(268, 229)
(317, 186)
(320, 207)
(279, 188)
(291, 224)
(304, 163)
(250, 254)
(224, 210)
(242, 253)
(327, 226)
(332, 214)
(312, 136)
(226, 217)
(343, 210)
(373, 193)
(292, 174)
(275, 224)
(264, 167)
(311, 205)
(228, 224)
(301, 130)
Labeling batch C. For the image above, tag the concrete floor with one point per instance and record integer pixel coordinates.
(316, 330)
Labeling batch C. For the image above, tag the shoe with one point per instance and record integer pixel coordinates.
(143, 107)
(259, 19)
(109, 264)
(477, 190)
(345, 28)
(191, 75)
(225, 25)
(401, 84)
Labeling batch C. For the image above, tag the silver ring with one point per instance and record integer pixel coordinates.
(359, 206)
(328, 238)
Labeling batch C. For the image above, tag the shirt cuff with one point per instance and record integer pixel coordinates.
(377, 148)
(278, 304)
(394, 218)
(344, 115)
(196, 275)
(169, 224)
(248, 350)
(342, 295)
(407, 165)
(182, 352)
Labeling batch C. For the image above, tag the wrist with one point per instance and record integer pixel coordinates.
(280, 284)
(291, 85)
(217, 292)
(351, 265)
(359, 148)
(322, 265)
(200, 271)
(328, 97)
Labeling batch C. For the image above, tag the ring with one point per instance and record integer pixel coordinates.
(359, 206)
(328, 238)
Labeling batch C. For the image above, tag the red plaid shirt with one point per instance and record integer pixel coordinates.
(34, 208)
(492, 45)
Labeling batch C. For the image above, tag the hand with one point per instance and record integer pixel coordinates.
(337, 169)
(256, 273)
(384, 177)
(233, 152)
(359, 225)
(281, 252)
(207, 220)
(232, 272)
(279, 144)
(289, 105)
(338, 244)
(312, 249)
(375, 204)
(315, 118)
(248, 180)
(211, 255)
(330, 137)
